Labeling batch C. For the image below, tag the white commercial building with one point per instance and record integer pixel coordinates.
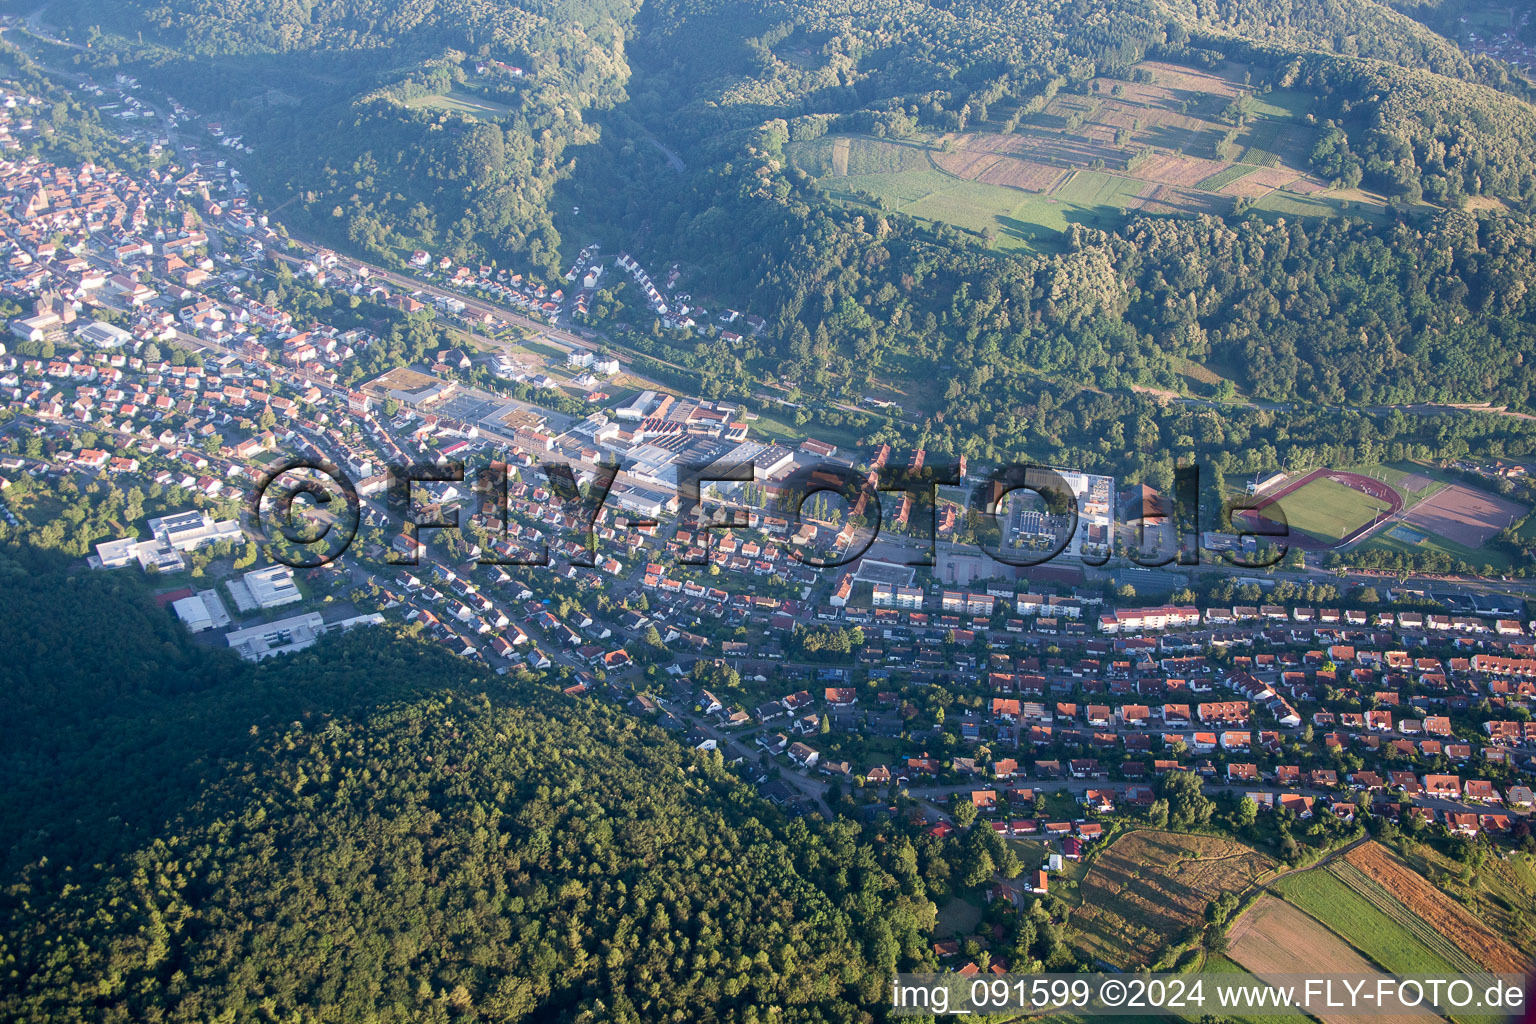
(188, 531)
(271, 587)
(103, 335)
(201, 611)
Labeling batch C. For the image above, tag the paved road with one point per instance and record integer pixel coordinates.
(672, 158)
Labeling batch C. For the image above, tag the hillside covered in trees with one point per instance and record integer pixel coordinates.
(378, 831)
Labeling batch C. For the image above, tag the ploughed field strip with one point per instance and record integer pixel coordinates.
(1275, 938)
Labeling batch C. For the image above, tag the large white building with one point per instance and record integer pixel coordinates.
(103, 335)
(188, 531)
(271, 587)
(637, 408)
(279, 637)
(202, 611)
(170, 537)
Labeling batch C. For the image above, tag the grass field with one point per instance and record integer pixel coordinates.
(957, 917)
(461, 103)
(541, 348)
(1327, 510)
(1391, 541)
(1149, 887)
(1215, 966)
(776, 424)
(1280, 103)
(1319, 204)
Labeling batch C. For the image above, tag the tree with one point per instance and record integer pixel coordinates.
(1187, 803)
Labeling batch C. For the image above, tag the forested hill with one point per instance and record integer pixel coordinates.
(344, 101)
(786, 57)
(377, 831)
(334, 26)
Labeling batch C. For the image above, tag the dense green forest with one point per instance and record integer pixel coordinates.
(375, 830)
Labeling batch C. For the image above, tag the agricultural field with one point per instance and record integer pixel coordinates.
(1501, 894)
(1149, 887)
(1372, 920)
(1118, 149)
(1214, 967)
(1224, 177)
(1004, 196)
(1273, 937)
(1479, 942)
(1257, 182)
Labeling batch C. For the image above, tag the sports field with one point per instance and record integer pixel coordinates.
(1464, 515)
(1327, 510)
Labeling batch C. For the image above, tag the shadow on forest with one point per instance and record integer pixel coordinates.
(117, 721)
